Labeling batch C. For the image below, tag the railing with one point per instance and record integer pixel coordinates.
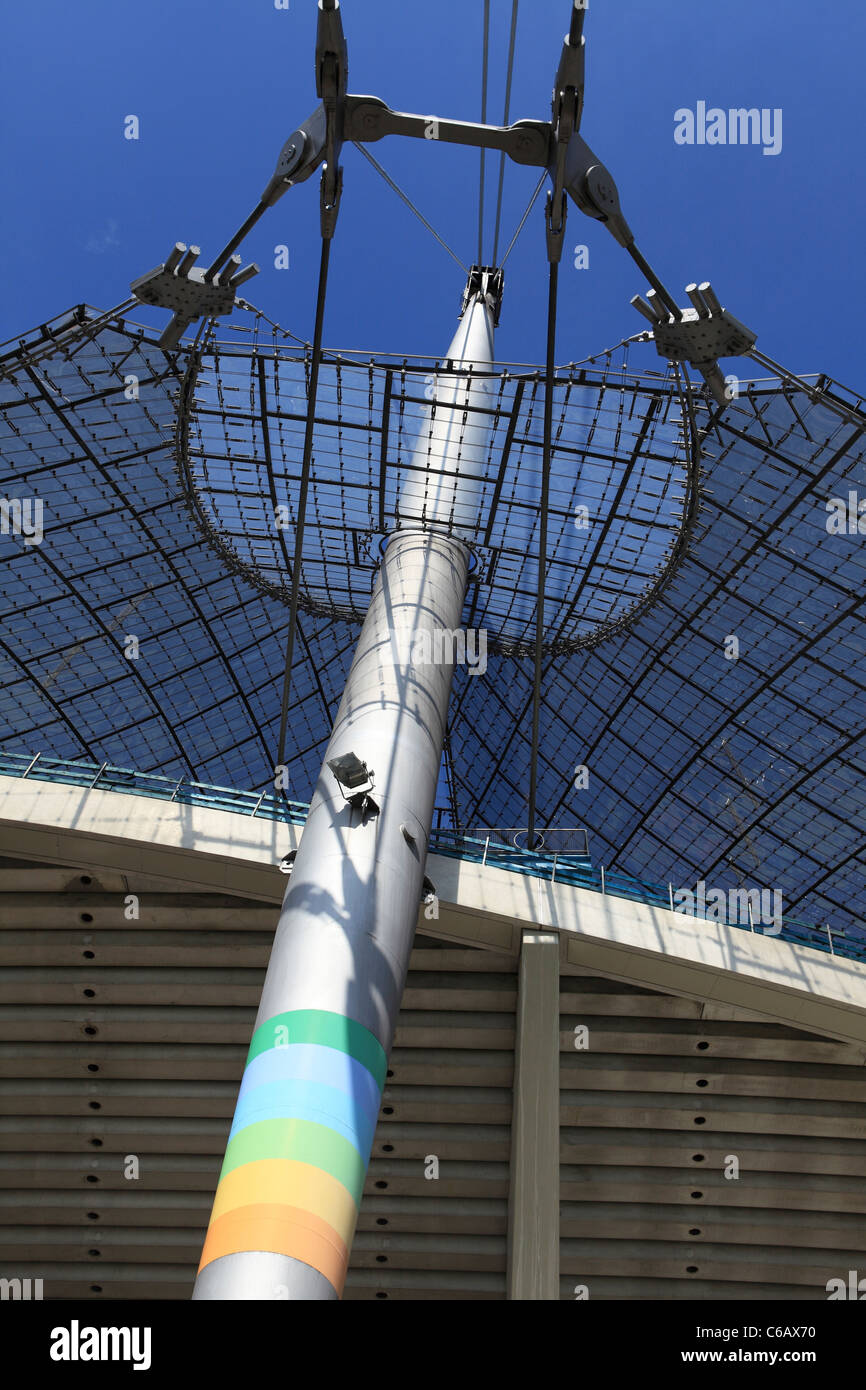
(105, 777)
(572, 870)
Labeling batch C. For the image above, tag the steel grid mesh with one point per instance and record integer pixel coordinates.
(753, 769)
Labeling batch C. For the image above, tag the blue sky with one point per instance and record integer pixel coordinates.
(217, 88)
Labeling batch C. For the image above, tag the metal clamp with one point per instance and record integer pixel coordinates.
(178, 285)
(485, 282)
(699, 335)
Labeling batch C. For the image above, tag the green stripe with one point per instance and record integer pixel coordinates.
(303, 1141)
(326, 1029)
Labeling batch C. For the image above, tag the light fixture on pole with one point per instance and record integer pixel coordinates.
(355, 781)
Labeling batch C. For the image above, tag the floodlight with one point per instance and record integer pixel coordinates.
(349, 771)
(355, 781)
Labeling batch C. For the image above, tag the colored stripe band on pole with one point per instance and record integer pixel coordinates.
(297, 1155)
(305, 1063)
(281, 1182)
(326, 1029)
(306, 1100)
(283, 1230)
(301, 1142)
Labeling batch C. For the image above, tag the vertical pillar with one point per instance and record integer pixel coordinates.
(287, 1201)
(533, 1199)
(285, 1208)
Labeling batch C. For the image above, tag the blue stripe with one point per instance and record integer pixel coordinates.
(324, 1066)
(307, 1100)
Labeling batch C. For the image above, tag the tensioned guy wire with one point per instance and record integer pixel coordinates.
(530, 205)
(484, 70)
(408, 201)
(315, 361)
(549, 380)
(508, 78)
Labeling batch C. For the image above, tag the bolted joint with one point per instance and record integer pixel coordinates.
(554, 222)
(300, 156)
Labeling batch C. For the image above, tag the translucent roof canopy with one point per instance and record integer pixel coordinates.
(148, 628)
(618, 478)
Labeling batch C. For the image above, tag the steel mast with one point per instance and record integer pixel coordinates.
(288, 1197)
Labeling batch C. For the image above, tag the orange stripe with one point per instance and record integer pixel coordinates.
(283, 1182)
(282, 1230)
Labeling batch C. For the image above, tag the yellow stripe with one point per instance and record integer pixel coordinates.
(287, 1182)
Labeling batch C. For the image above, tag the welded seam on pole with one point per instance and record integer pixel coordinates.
(508, 78)
(315, 359)
(550, 370)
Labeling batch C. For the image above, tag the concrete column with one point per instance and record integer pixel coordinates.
(533, 1199)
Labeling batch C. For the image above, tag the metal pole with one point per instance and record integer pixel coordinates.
(287, 1201)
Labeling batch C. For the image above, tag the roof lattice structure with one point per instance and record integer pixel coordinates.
(622, 480)
(700, 766)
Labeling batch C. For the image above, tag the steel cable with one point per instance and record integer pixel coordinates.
(408, 201)
(315, 360)
(509, 75)
(484, 72)
(549, 381)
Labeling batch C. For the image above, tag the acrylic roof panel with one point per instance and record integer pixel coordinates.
(700, 766)
(617, 454)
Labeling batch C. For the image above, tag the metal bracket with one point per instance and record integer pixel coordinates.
(331, 81)
(554, 223)
(700, 335)
(566, 105)
(179, 286)
(369, 118)
(332, 73)
(485, 282)
(575, 170)
(300, 156)
(591, 185)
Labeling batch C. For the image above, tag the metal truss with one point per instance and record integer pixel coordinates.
(624, 487)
